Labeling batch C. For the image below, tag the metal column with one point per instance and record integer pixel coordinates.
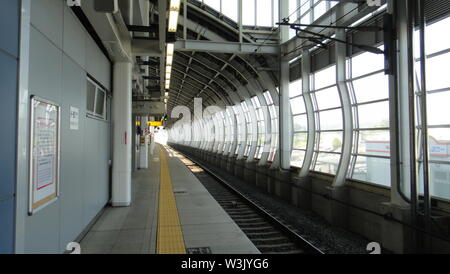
(121, 175)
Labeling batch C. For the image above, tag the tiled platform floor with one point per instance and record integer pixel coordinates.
(133, 230)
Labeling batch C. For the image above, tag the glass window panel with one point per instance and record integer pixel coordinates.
(440, 180)
(297, 158)
(374, 170)
(306, 18)
(100, 103)
(439, 143)
(248, 12)
(330, 141)
(438, 108)
(367, 62)
(325, 77)
(275, 12)
(90, 97)
(295, 88)
(230, 9)
(274, 125)
(371, 88)
(268, 97)
(264, 13)
(261, 127)
(435, 41)
(292, 10)
(300, 140)
(300, 123)
(327, 163)
(367, 119)
(273, 111)
(328, 98)
(320, 9)
(298, 105)
(437, 72)
(374, 142)
(331, 119)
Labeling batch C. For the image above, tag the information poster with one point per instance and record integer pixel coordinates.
(44, 153)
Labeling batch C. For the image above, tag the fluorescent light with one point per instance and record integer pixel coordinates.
(168, 75)
(168, 69)
(173, 21)
(167, 84)
(169, 60)
(170, 48)
(174, 5)
(167, 94)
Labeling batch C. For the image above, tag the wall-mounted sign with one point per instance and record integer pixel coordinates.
(154, 123)
(74, 118)
(44, 153)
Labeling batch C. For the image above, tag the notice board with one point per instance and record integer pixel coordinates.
(44, 153)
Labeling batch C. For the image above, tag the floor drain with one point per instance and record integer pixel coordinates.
(198, 250)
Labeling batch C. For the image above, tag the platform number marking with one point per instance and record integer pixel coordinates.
(74, 247)
(374, 248)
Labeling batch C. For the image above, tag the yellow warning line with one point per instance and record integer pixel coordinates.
(169, 238)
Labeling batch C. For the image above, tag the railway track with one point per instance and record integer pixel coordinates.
(268, 234)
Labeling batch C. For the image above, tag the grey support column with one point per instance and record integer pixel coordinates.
(121, 175)
(306, 70)
(285, 119)
(347, 141)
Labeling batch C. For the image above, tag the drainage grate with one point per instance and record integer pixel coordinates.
(198, 250)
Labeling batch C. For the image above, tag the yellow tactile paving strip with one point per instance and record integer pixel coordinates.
(169, 239)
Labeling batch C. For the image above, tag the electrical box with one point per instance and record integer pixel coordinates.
(107, 6)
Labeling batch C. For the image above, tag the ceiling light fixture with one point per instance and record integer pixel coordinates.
(174, 9)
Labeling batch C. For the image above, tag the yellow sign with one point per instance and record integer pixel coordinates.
(155, 123)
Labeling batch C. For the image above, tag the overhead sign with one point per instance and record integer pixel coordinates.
(155, 123)
(44, 153)
(148, 108)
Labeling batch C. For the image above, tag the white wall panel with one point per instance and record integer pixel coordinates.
(72, 156)
(74, 43)
(45, 67)
(61, 55)
(96, 63)
(47, 17)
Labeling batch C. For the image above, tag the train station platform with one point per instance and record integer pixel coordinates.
(171, 213)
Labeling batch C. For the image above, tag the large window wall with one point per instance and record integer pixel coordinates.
(369, 89)
(261, 127)
(273, 111)
(240, 128)
(229, 130)
(248, 125)
(438, 110)
(329, 123)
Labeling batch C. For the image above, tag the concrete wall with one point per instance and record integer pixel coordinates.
(9, 51)
(61, 55)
